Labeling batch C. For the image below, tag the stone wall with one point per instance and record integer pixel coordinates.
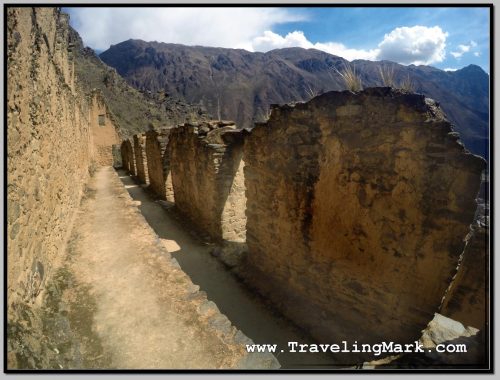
(167, 173)
(159, 173)
(141, 165)
(117, 156)
(104, 131)
(49, 151)
(467, 298)
(357, 207)
(128, 157)
(207, 175)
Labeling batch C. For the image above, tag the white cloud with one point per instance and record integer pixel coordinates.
(222, 27)
(269, 41)
(419, 45)
(477, 54)
(462, 49)
(450, 69)
(245, 28)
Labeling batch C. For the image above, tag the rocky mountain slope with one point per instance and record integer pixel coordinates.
(134, 111)
(239, 85)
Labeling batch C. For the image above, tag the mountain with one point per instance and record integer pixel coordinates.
(239, 85)
(134, 111)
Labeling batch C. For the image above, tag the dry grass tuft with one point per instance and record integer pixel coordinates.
(407, 84)
(350, 78)
(387, 76)
(311, 93)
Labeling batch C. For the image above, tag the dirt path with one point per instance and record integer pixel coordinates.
(148, 314)
(245, 310)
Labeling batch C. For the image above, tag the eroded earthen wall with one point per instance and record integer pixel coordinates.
(49, 148)
(357, 207)
(159, 173)
(207, 175)
(104, 133)
(141, 165)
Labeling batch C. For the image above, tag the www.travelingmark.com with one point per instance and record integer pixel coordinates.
(344, 347)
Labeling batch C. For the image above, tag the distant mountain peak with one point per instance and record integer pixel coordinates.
(472, 69)
(240, 85)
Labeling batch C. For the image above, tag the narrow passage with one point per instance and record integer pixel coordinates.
(142, 316)
(244, 309)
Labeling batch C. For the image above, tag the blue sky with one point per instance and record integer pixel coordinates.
(447, 38)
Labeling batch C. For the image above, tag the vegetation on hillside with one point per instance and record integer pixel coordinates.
(134, 111)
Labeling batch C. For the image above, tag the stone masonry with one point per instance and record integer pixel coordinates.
(49, 152)
(104, 131)
(55, 138)
(141, 165)
(128, 157)
(207, 175)
(358, 205)
(158, 162)
(467, 298)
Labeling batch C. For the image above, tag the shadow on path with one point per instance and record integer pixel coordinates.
(241, 306)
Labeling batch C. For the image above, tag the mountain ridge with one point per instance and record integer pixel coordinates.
(240, 85)
(133, 111)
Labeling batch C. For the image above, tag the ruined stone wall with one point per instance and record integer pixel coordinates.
(117, 156)
(49, 147)
(467, 298)
(128, 157)
(141, 165)
(158, 162)
(104, 131)
(207, 175)
(167, 174)
(233, 219)
(357, 207)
